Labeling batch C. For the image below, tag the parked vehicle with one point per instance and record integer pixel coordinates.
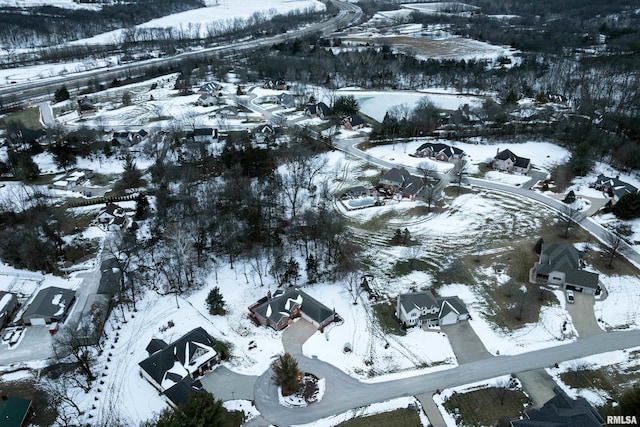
(570, 298)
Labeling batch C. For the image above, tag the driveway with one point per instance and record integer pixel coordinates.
(35, 344)
(465, 343)
(431, 410)
(227, 385)
(538, 384)
(536, 176)
(584, 320)
(297, 334)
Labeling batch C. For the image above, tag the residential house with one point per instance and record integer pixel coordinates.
(174, 368)
(319, 110)
(109, 213)
(8, 306)
(85, 106)
(614, 187)
(264, 134)
(423, 308)
(49, 305)
(279, 84)
(280, 309)
(210, 88)
(203, 135)
(353, 122)
(439, 151)
(14, 411)
(122, 137)
(209, 99)
(287, 100)
(507, 161)
(561, 264)
(401, 181)
(562, 411)
(30, 136)
(139, 136)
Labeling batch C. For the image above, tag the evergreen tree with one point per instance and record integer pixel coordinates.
(215, 301)
(142, 206)
(628, 207)
(61, 94)
(346, 105)
(286, 374)
(131, 174)
(202, 409)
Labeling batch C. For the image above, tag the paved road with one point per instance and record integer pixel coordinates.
(344, 393)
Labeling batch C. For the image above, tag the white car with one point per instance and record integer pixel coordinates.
(570, 298)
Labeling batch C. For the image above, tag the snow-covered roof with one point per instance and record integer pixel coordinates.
(50, 303)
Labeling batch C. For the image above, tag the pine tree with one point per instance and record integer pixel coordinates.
(286, 374)
(201, 409)
(142, 206)
(215, 301)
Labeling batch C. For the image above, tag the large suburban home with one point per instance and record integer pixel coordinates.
(49, 305)
(112, 217)
(560, 264)
(174, 368)
(400, 180)
(353, 122)
(203, 135)
(319, 110)
(279, 309)
(85, 106)
(562, 410)
(614, 187)
(424, 309)
(210, 88)
(8, 305)
(209, 99)
(507, 161)
(439, 151)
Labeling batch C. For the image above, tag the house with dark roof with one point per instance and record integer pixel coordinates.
(85, 106)
(423, 308)
(561, 264)
(507, 161)
(210, 88)
(613, 187)
(353, 122)
(14, 411)
(319, 110)
(203, 135)
(209, 99)
(174, 368)
(112, 217)
(280, 309)
(28, 136)
(562, 411)
(8, 306)
(49, 305)
(439, 151)
(401, 181)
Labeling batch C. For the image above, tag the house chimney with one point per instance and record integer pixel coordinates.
(269, 294)
(497, 151)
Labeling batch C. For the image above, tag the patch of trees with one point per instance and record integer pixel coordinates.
(201, 409)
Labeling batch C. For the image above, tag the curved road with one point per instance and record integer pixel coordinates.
(344, 393)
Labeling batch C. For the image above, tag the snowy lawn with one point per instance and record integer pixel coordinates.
(621, 308)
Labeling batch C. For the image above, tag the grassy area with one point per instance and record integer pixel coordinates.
(29, 117)
(402, 268)
(43, 413)
(588, 378)
(614, 379)
(405, 417)
(483, 407)
(385, 314)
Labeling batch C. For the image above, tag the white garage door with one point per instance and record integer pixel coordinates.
(38, 321)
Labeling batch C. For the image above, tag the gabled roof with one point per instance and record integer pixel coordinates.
(518, 161)
(563, 257)
(451, 304)
(280, 305)
(619, 188)
(50, 302)
(404, 180)
(417, 300)
(112, 209)
(179, 393)
(13, 411)
(172, 363)
(355, 120)
(438, 148)
(562, 411)
(155, 345)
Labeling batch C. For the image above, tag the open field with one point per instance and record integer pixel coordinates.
(405, 417)
(486, 406)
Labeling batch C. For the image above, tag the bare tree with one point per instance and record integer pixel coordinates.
(614, 239)
(460, 171)
(570, 217)
(412, 253)
(352, 284)
(71, 342)
(60, 393)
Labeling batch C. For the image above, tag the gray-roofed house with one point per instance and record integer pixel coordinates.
(49, 305)
(560, 264)
(8, 305)
(400, 180)
(203, 135)
(174, 368)
(614, 187)
(423, 308)
(320, 110)
(284, 306)
(562, 411)
(506, 160)
(210, 87)
(353, 122)
(439, 151)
